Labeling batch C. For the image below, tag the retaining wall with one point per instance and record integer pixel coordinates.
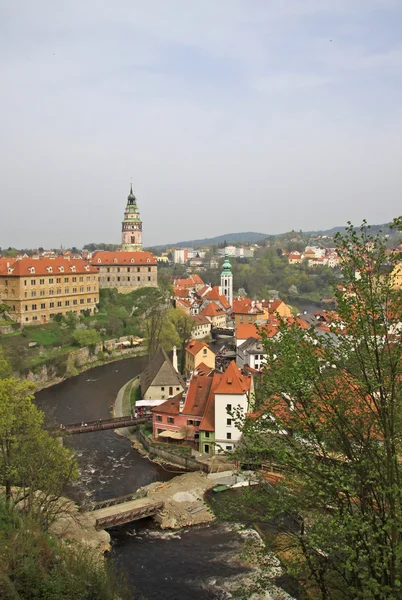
(188, 462)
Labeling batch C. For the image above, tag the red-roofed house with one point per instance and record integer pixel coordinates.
(201, 416)
(126, 271)
(215, 314)
(196, 353)
(38, 289)
(202, 327)
(214, 296)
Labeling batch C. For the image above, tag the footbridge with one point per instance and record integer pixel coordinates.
(122, 510)
(103, 424)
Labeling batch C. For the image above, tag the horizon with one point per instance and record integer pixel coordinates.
(283, 117)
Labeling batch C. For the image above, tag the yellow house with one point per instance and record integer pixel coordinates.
(197, 353)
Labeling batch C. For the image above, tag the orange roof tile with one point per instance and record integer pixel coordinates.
(193, 347)
(45, 266)
(212, 310)
(233, 381)
(123, 258)
(197, 395)
(171, 406)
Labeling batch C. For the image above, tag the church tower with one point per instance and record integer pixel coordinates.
(226, 287)
(131, 237)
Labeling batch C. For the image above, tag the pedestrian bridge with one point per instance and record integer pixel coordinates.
(122, 510)
(103, 424)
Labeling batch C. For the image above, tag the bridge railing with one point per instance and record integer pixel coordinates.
(91, 506)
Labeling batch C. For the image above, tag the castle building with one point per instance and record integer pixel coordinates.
(226, 287)
(131, 236)
(126, 271)
(36, 290)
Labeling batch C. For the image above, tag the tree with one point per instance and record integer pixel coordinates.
(34, 467)
(184, 325)
(329, 415)
(86, 337)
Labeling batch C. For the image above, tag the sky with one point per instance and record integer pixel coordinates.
(228, 115)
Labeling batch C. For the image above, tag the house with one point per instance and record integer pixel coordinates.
(244, 331)
(36, 290)
(215, 314)
(197, 353)
(202, 327)
(295, 258)
(276, 308)
(193, 282)
(252, 353)
(183, 304)
(213, 295)
(202, 415)
(247, 311)
(126, 271)
(160, 379)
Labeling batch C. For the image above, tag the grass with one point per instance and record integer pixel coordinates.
(135, 393)
(125, 404)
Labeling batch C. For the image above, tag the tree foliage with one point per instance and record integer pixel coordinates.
(329, 415)
(34, 467)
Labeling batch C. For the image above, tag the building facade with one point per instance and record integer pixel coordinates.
(36, 290)
(126, 271)
(131, 236)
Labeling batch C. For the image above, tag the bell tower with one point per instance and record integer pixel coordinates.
(131, 237)
(226, 287)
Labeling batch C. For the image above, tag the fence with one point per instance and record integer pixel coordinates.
(188, 462)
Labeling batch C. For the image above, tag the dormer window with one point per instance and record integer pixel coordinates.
(61, 269)
(86, 267)
(99, 260)
(148, 260)
(32, 269)
(73, 268)
(115, 260)
(49, 269)
(132, 260)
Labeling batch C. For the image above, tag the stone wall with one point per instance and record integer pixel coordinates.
(177, 458)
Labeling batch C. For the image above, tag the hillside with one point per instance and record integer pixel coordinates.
(254, 237)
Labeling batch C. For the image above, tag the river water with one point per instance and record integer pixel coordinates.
(193, 563)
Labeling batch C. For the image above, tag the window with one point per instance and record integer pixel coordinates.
(170, 420)
(41, 282)
(58, 279)
(149, 279)
(159, 418)
(43, 305)
(190, 422)
(197, 423)
(74, 290)
(25, 281)
(228, 447)
(88, 278)
(42, 293)
(74, 279)
(75, 302)
(81, 279)
(177, 389)
(228, 408)
(228, 436)
(50, 281)
(33, 281)
(33, 294)
(228, 421)
(67, 303)
(206, 448)
(51, 304)
(88, 300)
(88, 288)
(59, 304)
(66, 290)
(138, 278)
(66, 280)
(26, 307)
(162, 389)
(25, 294)
(207, 434)
(33, 306)
(82, 287)
(170, 391)
(58, 291)
(82, 300)
(204, 352)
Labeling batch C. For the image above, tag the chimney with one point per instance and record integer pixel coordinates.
(175, 359)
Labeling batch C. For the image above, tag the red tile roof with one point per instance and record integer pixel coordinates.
(194, 347)
(197, 396)
(123, 258)
(203, 369)
(200, 320)
(45, 266)
(212, 310)
(171, 406)
(180, 292)
(233, 381)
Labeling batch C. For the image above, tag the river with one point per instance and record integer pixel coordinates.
(175, 566)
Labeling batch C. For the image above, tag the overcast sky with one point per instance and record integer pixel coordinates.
(229, 115)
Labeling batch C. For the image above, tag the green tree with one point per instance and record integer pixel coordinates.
(86, 337)
(34, 467)
(329, 414)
